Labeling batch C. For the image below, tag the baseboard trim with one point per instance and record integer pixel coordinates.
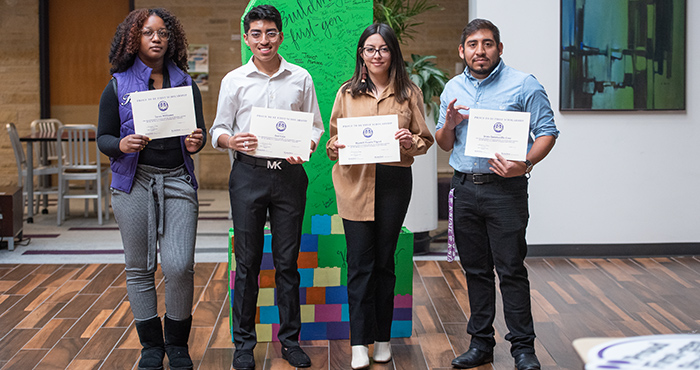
(614, 250)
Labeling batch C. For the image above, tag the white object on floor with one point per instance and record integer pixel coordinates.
(360, 357)
(382, 352)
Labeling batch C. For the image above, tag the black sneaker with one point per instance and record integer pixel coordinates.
(296, 356)
(243, 359)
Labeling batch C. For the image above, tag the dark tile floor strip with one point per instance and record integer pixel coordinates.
(76, 252)
(110, 228)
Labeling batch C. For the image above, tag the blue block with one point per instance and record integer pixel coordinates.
(401, 329)
(336, 294)
(307, 278)
(267, 245)
(302, 295)
(313, 330)
(403, 314)
(321, 224)
(309, 243)
(267, 262)
(269, 315)
(345, 313)
(338, 330)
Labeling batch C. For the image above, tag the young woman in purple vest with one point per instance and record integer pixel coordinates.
(154, 190)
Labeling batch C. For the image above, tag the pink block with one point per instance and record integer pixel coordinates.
(403, 301)
(275, 332)
(232, 279)
(328, 313)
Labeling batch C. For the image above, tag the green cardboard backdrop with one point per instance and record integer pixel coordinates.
(321, 36)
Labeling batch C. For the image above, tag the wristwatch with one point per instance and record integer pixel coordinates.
(529, 166)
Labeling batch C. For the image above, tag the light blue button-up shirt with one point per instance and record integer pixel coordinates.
(506, 89)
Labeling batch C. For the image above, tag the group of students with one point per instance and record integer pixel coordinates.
(149, 51)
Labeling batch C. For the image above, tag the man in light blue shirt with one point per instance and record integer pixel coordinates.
(490, 194)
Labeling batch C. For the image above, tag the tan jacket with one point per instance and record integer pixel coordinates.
(354, 184)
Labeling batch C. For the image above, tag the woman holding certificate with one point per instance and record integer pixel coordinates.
(373, 197)
(154, 190)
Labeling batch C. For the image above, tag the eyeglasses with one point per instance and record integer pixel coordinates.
(257, 35)
(162, 33)
(371, 51)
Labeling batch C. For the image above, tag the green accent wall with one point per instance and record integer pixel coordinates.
(320, 36)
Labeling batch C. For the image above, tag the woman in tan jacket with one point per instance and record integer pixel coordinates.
(373, 198)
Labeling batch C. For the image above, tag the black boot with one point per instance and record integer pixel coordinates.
(176, 335)
(151, 338)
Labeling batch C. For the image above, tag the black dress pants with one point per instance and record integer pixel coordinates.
(371, 246)
(490, 221)
(253, 191)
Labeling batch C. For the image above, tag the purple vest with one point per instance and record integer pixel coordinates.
(132, 80)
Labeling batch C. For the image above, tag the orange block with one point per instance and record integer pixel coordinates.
(316, 295)
(267, 279)
(307, 260)
(257, 315)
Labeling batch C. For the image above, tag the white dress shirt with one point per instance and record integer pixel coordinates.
(290, 88)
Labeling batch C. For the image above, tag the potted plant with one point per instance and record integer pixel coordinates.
(421, 217)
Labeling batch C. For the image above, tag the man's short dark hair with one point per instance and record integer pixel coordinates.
(262, 13)
(481, 24)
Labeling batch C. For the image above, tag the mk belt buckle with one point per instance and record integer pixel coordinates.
(476, 177)
(274, 165)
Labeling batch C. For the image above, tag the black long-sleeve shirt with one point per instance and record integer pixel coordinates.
(163, 153)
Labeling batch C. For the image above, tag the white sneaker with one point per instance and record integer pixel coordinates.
(360, 357)
(382, 352)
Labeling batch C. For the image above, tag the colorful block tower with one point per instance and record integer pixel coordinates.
(323, 293)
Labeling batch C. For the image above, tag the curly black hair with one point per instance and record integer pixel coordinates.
(127, 39)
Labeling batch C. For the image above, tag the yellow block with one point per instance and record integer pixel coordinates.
(337, 225)
(308, 313)
(327, 276)
(266, 297)
(264, 332)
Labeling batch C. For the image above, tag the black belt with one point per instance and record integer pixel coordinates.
(478, 178)
(269, 163)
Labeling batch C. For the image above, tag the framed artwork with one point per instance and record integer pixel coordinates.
(623, 55)
(198, 64)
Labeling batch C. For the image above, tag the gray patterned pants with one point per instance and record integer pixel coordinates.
(161, 210)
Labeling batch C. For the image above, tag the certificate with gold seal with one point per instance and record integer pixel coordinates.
(281, 133)
(164, 113)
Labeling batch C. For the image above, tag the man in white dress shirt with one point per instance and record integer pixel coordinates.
(258, 185)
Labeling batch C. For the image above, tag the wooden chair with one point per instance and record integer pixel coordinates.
(39, 171)
(45, 152)
(80, 161)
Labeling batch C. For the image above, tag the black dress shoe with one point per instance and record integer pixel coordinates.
(243, 359)
(296, 356)
(527, 361)
(472, 358)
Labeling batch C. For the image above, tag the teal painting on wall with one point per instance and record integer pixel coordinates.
(623, 55)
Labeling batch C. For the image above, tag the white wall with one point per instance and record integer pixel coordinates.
(615, 177)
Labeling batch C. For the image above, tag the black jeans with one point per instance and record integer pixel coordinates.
(371, 247)
(253, 191)
(490, 221)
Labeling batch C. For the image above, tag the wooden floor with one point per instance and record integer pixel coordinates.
(78, 316)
